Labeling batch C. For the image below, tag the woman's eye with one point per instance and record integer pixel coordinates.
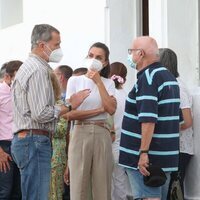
(90, 56)
(99, 58)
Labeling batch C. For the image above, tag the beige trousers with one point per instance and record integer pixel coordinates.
(90, 163)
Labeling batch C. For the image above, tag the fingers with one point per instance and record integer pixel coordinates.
(4, 168)
(4, 164)
(10, 158)
(66, 179)
(84, 93)
(66, 176)
(7, 165)
(67, 182)
(1, 167)
(144, 171)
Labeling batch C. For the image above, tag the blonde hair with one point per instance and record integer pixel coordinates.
(56, 86)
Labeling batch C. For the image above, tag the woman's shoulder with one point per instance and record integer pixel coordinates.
(107, 81)
(77, 78)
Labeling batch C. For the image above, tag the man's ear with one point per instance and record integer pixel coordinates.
(62, 77)
(142, 53)
(41, 45)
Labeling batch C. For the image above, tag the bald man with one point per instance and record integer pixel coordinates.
(150, 128)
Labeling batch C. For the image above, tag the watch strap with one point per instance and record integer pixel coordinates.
(143, 151)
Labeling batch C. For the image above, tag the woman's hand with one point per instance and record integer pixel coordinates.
(66, 176)
(94, 75)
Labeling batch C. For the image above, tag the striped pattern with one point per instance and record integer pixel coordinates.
(154, 98)
(33, 96)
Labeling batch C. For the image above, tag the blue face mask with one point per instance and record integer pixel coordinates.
(131, 63)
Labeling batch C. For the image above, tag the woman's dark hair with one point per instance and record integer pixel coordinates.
(80, 71)
(118, 69)
(106, 70)
(168, 59)
(13, 66)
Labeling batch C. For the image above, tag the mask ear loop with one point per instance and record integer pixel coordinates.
(48, 49)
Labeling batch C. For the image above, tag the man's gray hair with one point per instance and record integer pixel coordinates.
(42, 32)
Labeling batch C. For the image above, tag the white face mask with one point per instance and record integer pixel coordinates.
(55, 55)
(93, 64)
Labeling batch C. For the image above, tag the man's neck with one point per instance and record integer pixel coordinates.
(146, 63)
(39, 54)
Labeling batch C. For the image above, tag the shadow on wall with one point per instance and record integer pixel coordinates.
(192, 179)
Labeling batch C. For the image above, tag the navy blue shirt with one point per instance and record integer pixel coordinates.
(155, 99)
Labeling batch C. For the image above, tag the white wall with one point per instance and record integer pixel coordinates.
(81, 23)
(174, 24)
(124, 26)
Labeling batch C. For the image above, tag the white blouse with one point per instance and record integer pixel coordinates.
(93, 101)
(186, 136)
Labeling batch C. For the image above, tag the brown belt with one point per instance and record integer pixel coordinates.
(98, 123)
(25, 132)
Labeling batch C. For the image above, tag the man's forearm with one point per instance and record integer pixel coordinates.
(147, 133)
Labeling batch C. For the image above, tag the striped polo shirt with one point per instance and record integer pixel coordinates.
(155, 99)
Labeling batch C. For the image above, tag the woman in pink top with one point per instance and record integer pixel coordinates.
(9, 173)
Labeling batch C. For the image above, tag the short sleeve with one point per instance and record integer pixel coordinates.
(186, 99)
(71, 87)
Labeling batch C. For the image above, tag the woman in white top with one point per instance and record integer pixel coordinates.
(169, 59)
(120, 183)
(90, 147)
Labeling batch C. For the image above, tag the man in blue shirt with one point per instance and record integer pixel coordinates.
(150, 128)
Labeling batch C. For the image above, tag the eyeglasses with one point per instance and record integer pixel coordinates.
(130, 50)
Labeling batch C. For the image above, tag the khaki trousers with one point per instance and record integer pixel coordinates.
(90, 163)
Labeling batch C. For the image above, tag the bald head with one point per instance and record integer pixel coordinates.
(145, 51)
(147, 44)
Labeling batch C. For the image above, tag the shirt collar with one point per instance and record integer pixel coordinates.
(41, 60)
(155, 64)
(6, 86)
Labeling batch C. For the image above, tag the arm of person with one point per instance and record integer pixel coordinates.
(109, 102)
(66, 172)
(68, 136)
(147, 133)
(75, 101)
(187, 118)
(38, 99)
(82, 114)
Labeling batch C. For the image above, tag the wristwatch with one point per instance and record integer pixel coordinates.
(68, 105)
(143, 151)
